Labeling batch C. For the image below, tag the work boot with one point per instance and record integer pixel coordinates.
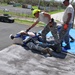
(54, 48)
(58, 51)
(48, 50)
(57, 48)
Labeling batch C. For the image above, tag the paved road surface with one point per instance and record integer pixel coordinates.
(16, 60)
(7, 28)
(16, 9)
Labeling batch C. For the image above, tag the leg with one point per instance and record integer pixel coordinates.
(31, 45)
(64, 35)
(55, 34)
(66, 39)
(44, 32)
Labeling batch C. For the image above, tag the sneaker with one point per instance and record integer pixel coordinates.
(48, 50)
(11, 36)
(72, 40)
(67, 47)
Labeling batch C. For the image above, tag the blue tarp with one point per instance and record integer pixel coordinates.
(72, 44)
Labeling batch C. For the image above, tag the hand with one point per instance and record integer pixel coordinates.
(50, 24)
(27, 29)
(65, 26)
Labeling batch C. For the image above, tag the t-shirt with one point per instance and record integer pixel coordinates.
(42, 18)
(69, 9)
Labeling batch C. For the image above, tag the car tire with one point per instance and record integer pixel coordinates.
(7, 21)
(11, 21)
(2, 20)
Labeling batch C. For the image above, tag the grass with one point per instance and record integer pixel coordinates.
(26, 15)
(34, 7)
(3, 4)
(22, 15)
(27, 22)
(57, 11)
(17, 14)
(51, 12)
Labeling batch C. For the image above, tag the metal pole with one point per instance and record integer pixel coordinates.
(73, 16)
(39, 4)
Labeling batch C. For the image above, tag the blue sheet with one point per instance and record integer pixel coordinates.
(72, 44)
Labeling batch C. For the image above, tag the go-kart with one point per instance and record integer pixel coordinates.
(6, 18)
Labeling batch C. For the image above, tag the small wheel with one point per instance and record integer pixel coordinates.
(11, 21)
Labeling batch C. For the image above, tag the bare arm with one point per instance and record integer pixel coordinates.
(69, 18)
(47, 15)
(32, 26)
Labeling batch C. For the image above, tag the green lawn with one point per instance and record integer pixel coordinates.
(54, 12)
(22, 15)
(34, 7)
(3, 4)
(27, 22)
(27, 15)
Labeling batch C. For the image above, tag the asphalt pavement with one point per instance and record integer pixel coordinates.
(17, 60)
(11, 28)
